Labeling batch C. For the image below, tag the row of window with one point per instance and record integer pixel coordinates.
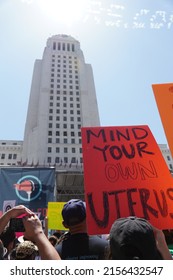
(71, 105)
(65, 150)
(65, 70)
(64, 111)
(65, 98)
(65, 133)
(64, 86)
(64, 160)
(63, 46)
(65, 140)
(9, 156)
(64, 125)
(64, 56)
(64, 92)
(64, 118)
(65, 81)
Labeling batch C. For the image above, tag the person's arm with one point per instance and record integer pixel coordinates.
(46, 226)
(13, 213)
(35, 233)
(161, 244)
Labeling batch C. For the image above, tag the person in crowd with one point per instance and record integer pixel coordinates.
(77, 244)
(13, 213)
(169, 239)
(3, 251)
(33, 231)
(8, 237)
(26, 250)
(53, 240)
(135, 238)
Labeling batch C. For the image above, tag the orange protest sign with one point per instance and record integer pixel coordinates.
(125, 174)
(164, 98)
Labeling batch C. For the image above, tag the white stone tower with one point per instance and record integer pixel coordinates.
(62, 99)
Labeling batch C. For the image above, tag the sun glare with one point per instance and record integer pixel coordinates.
(65, 11)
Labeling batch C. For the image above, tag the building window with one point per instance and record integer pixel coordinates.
(14, 156)
(57, 160)
(65, 133)
(49, 140)
(10, 156)
(54, 46)
(57, 149)
(168, 158)
(73, 150)
(49, 149)
(73, 160)
(65, 150)
(49, 159)
(65, 159)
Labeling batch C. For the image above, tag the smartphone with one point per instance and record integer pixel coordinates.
(17, 225)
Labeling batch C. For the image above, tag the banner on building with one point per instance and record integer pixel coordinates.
(125, 174)
(32, 187)
(164, 98)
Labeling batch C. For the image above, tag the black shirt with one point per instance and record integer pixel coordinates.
(82, 246)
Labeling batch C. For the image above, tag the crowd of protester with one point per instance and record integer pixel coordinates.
(130, 238)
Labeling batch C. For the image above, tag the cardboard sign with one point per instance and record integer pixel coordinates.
(125, 174)
(164, 98)
(54, 215)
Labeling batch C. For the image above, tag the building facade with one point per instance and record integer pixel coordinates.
(10, 152)
(62, 100)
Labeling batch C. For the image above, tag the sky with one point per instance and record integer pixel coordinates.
(129, 44)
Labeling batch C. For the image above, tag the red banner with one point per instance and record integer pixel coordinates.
(125, 174)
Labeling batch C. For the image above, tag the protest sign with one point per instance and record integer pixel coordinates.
(125, 174)
(54, 215)
(164, 98)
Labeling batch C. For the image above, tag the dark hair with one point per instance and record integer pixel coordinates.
(53, 239)
(7, 236)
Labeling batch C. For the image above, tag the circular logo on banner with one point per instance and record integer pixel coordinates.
(28, 188)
